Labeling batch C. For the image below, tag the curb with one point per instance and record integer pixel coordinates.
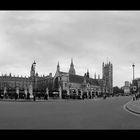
(49, 100)
(130, 109)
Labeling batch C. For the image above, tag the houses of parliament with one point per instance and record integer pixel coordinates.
(62, 82)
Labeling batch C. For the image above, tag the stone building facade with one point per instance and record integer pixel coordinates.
(73, 83)
(62, 82)
(108, 77)
(20, 84)
(126, 88)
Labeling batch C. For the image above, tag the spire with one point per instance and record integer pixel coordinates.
(58, 67)
(85, 77)
(87, 73)
(36, 74)
(72, 70)
(58, 63)
(72, 62)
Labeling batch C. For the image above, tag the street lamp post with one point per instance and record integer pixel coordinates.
(133, 79)
(133, 73)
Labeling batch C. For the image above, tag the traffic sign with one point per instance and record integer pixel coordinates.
(134, 88)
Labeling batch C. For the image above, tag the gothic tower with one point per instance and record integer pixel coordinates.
(58, 67)
(87, 73)
(108, 77)
(57, 77)
(72, 70)
(33, 76)
(32, 71)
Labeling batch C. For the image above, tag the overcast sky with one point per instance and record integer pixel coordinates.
(89, 37)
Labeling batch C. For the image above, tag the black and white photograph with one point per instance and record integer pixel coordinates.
(69, 69)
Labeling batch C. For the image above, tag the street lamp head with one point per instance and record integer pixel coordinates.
(34, 63)
(133, 65)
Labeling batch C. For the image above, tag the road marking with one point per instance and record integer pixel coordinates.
(129, 110)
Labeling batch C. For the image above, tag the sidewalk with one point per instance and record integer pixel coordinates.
(133, 106)
(49, 100)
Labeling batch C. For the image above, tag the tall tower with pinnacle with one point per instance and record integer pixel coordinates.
(58, 67)
(108, 77)
(72, 70)
(87, 73)
(32, 71)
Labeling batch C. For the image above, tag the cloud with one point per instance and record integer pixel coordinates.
(87, 36)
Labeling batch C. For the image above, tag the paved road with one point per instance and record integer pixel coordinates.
(81, 114)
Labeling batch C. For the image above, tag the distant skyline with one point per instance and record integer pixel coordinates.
(89, 37)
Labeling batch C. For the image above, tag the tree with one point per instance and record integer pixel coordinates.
(116, 90)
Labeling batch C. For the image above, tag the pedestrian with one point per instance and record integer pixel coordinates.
(16, 96)
(28, 95)
(46, 96)
(134, 97)
(83, 96)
